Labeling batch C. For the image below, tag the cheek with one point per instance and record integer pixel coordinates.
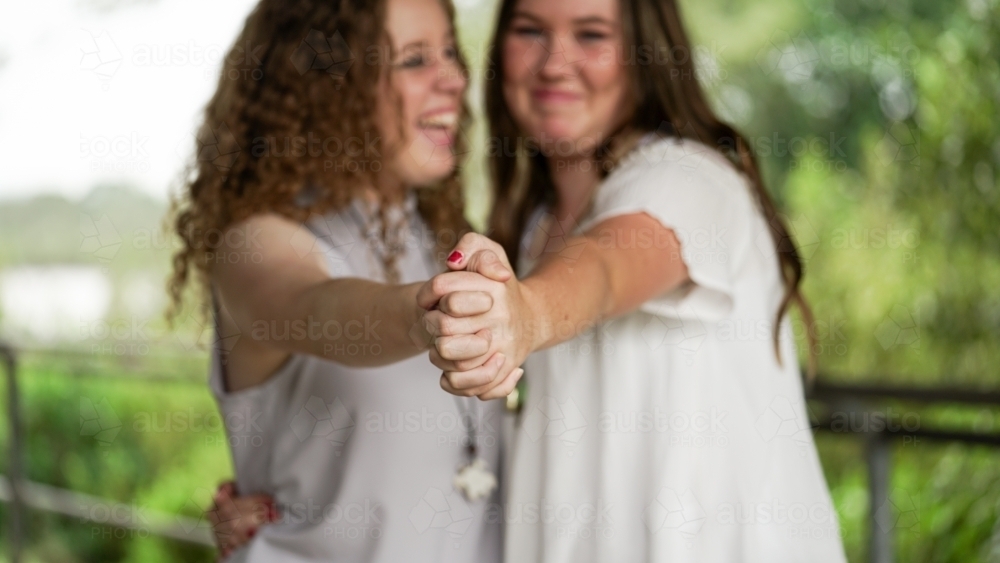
(604, 75)
(608, 84)
(409, 99)
(517, 62)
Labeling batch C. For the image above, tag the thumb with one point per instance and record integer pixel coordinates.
(487, 264)
(470, 244)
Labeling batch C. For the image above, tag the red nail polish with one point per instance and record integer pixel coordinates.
(455, 256)
(252, 532)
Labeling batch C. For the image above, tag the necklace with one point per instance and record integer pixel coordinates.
(385, 232)
(474, 477)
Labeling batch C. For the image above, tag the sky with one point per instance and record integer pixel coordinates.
(88, 97)
(100, 96)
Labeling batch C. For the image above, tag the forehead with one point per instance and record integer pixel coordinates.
(567, 11)
(412, 21)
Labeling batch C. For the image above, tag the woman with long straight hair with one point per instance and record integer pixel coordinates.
(325, 189)
(664, 417)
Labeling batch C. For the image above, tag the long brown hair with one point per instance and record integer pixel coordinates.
(291, 129)
(667, 100)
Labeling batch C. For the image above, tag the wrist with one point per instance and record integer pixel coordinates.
(539, 328)
(411, 314)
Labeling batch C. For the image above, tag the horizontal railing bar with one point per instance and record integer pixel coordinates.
(107, 512)
(823, 390)
(930, 434)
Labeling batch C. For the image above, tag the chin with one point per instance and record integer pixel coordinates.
(562, 127)
(438, 169)
(427, 173)
(425, 164)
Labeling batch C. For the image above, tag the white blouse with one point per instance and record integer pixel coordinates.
(361, 461)
(673, 433)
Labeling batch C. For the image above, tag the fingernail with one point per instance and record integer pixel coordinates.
(454, 257)
(272, 513)
(252, 532)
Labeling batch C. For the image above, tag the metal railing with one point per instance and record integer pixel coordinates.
(14, 459)
(20, 493)
(854, 400)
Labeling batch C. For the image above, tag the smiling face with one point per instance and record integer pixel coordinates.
(420, 102)
(562, 76)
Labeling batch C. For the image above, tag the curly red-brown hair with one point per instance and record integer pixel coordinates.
(294, 114)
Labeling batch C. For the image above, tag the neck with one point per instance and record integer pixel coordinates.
(575, 179)
(386, 189)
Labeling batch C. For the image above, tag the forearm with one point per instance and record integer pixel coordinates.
(568, 297)
(565, 298)
(356, 322)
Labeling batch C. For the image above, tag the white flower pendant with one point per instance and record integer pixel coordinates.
(475, 480)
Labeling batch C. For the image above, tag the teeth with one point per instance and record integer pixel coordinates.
(440, 120)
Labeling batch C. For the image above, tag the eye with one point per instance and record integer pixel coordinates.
(450, 53)
(413, 60)
(527, 31)
(591, 36)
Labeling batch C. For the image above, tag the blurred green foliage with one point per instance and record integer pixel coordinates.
(875, 122)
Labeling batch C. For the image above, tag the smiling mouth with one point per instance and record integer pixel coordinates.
(439, 127)
(554, 96)
(443, 120)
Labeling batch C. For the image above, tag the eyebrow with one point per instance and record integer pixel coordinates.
(580, 21)
(448, 38)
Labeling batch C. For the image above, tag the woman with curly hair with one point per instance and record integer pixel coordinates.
(324, 192)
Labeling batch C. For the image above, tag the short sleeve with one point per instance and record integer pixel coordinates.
(692, 190)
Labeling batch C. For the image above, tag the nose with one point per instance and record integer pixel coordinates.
(561, 55)
(451, 77)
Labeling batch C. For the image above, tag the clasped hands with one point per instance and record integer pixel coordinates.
(475, 316)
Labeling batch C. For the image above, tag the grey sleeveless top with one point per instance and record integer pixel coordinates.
(360, 461)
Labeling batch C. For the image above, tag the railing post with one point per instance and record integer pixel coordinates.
(881, 515)
(14, 460)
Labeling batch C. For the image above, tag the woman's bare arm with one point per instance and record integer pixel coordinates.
(560, 299)
(270, 277)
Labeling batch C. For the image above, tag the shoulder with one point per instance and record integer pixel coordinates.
(685, 181)
(678, 163)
